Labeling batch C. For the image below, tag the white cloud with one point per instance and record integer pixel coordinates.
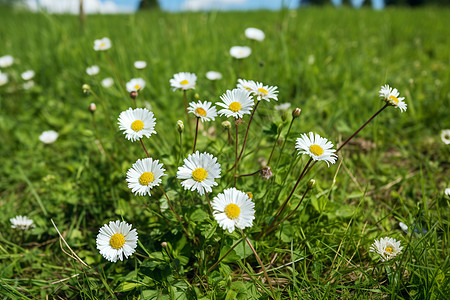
(73, 6)
(210, 4)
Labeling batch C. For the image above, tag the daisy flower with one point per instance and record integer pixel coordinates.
(248, 85)
(265, 92)
(204, 110)
(213, 75)
(6, 61)
(3, 78)
(283, 106)
(445, 136)
(233, 208)
(144, 175)
(140, 64)
(93, 70)
(137, 123)
(240, 52)
(199, 171)
(387, 247)
(102, 44)
(116, 240)
(254, 34)
(317, 147)
(390, 96)
(136, 85)
(107, 82)
(183, 81)
(236, 103)
(27, 75)
(447, 191)
(48, 137)
(28, 85)
(20, 222)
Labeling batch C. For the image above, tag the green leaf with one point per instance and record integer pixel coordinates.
(199, 215)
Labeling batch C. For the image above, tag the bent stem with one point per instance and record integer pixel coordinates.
(196, 133)
(248, 175)
(260, 263)
(145, 149)
(209, 202)
(246, 133)
(173, 210)
(225, 255)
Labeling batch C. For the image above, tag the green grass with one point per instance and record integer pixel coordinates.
(329, 62)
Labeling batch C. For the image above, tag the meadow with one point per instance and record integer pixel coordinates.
(328, 62)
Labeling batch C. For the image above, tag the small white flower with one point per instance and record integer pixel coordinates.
(445, 136)
(137, 123)
(390, 96)
(199, 172)
(265, 92)
(144, 175)
(254, 34)
(27, 75)
(213, 75)
(48, 137)
(282, 106)
(3, 78)
(248, 85)
(140, 64)
(447, 191)
(317, 147)
(135, 84)
(233, 208)
(117, 240)
(28, 84)
(403, 226)
(92, 70)
(387, 247)
(20, 222)
(236, 103)
(107, 82)
(240, 52)
(183, 81)
(6, 61)
(204, 110)
(102, 44)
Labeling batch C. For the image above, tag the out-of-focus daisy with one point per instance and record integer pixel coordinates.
(199, 172)
(254, 34)
(317, 147)
(6, 61)
(447, 191)
(140, 64)
(183, 81)
(213, 75)
(137, 123)
(248, 85)
(136, 85)
(240, 52)
(28, 84)
(236, 103)
(48, 137)
(205, 111)
(282, 106)
(3, 78)
(102, 44)
(107, 82)
(92, 70)
(144, 175)
(27, 75)
(390, 96)
(265, 92)
(233, 208)
(445, 136)
(117, 240)
(404, 227)
(20, 222)
(387, 247)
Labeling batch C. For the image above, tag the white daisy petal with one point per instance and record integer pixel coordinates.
(391, 96)
(387, 247)
(183, 81)
(254, 34)
(137, 123)
(445, 136)
(48, 137)
(236, 103)
(205, 111)
(240, 52)
(213, 75)
(117, 240)
(102, 44)
(135, 85)
(140, 64)
(21, 222)
(317, 147)
(144, 175)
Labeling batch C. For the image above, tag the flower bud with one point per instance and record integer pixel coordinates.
(197, 96)
(92, 107)
(296, 113)
(266, 172)
(226, 124)
(250, 195)
(164, 244)
(180, 126)
(133, 95)
(85, 88)
(311, 184)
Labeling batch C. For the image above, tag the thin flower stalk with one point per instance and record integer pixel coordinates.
(186, 109)
(235, 152)
(173, 210)
(273, 148)
(284, 142)
(225, 255)
(143, 146)
(209, 202)
(196, 134)
(246, 133)
(248, 175)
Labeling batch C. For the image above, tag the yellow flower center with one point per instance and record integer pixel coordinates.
(388, 249)
(137, 125)
(184, 82)
(200, 111)
(146, 178)
(199, 174)
(232, 211)
(316, 150)
(393, 99)
(137, 86)
(235, 106)
(102, 44)
(247, 88)
(117, 241)
(264, 91)
(250, 195)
